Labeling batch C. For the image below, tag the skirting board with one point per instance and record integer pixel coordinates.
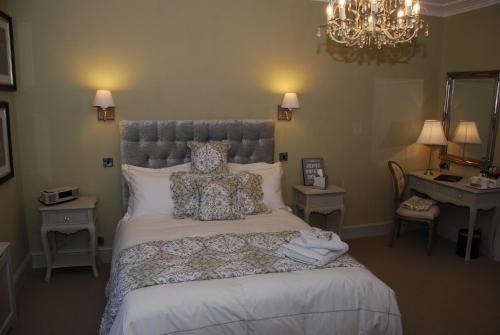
(367, 230)
(103, 256)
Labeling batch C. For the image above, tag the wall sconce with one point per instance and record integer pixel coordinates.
(290, 101)
(105, 105)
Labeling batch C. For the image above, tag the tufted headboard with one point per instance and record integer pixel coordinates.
(163, 143)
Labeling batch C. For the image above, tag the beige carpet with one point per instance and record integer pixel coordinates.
(437, 294)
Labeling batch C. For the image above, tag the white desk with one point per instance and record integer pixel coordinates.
(461, 195)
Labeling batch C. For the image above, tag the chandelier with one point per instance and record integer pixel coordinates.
(373, 23)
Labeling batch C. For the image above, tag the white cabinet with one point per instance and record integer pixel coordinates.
(7, 295)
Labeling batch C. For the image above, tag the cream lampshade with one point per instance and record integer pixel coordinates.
(466, 133)
(104, 102)
(290, 102)
(432, 134)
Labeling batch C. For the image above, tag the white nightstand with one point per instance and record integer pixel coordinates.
(69, 218)
(309, 200)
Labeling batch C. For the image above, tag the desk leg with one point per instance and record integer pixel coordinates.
(48, 252)
(307, 214)
(493, 232)
(472, 222)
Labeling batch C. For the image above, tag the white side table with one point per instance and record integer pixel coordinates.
(309, 200)
(69, 218)
(7, 295)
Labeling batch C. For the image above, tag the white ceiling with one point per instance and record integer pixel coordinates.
(445, 8)
(452, 7)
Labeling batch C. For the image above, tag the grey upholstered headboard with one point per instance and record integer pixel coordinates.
(163, 143)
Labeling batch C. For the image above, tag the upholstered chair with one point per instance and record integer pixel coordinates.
(429, 217)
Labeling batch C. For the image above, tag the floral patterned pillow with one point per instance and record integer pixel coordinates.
(250, 194)
(209, 157)
(185, 194)
(218, 198)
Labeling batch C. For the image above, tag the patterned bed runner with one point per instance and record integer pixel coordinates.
(200, 258)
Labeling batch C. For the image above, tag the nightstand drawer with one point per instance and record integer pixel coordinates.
(67, 217)
(327, 200)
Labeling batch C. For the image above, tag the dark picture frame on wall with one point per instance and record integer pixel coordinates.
(6, 162)
(7, 59)
(310, 167)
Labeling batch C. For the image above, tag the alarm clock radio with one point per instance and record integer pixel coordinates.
(58, 195)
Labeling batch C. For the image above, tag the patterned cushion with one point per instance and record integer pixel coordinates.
(218, 198)
(185, 194)
(209, 157)
(250, 195)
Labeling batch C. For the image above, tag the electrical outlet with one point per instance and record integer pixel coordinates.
(100, 240)
(283, 156)
(107, 162)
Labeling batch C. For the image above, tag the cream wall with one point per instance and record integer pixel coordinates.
(12, 225)
(220, 59)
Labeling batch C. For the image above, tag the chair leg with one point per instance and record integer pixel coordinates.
(430, 238)
(395, 229)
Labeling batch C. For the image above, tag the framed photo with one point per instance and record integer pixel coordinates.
(7, 64)
(310, 167)
(6, 163)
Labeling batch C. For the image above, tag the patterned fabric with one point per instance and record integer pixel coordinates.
(200, 258)
(416, 203)
(218, 199)
(209, 157)
(250, 194)
(185, 194)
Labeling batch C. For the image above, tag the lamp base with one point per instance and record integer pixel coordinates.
(428, 172)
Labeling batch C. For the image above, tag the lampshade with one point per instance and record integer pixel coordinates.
(432, 133)
(290, 101)
(467, 132)
(103, 99)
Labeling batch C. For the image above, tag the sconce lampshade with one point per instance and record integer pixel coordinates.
(103, 99)
(467, 132)
(290, 101)
(432, 133)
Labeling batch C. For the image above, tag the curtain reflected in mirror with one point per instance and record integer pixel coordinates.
(470, 117)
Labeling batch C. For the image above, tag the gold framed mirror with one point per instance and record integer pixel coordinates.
(470, 117)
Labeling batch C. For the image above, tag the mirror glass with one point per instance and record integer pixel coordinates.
(468, 116)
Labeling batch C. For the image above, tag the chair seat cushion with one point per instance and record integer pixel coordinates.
(430, 214)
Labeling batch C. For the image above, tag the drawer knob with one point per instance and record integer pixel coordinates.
(460, 196)
(66, 219)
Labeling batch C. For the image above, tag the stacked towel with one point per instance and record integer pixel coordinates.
(484, 182)
(315, 247)
(418, 204)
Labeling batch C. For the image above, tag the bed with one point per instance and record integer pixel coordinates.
(339, 300)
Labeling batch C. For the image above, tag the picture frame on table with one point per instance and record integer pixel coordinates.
(7, 59)
(6, 162)
(310, 167)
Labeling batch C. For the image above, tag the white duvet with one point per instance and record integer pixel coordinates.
(325, 301)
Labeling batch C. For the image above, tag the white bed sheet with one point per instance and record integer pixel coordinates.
(326, 301)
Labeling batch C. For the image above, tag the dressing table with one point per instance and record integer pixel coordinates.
(461, 195)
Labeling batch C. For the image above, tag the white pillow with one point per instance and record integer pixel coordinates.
(271, 181)
(150, 189)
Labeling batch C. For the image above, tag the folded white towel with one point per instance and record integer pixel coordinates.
(308, 256)
(314, 246)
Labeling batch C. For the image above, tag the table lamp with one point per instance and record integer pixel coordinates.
(466, 133)
(432, 134)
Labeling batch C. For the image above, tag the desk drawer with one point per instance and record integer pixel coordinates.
(67, 217)
(448, 194)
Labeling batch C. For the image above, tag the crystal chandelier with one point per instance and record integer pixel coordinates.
(373, 23)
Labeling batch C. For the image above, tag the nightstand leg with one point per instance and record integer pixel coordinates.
(92, 249)
(341, 220)
(307, 214)
(46, 249)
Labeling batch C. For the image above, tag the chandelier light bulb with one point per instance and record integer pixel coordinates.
(400, 13)
(341, 3)
(329, 11)
(416, 8)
